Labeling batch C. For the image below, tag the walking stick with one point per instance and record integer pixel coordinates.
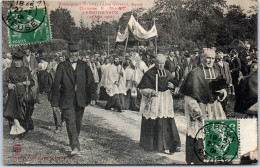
(18, 102)
(26, 101)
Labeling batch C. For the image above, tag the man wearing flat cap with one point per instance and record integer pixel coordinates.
(71, 93)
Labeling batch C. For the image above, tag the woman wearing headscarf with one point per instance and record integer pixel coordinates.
(17, 80)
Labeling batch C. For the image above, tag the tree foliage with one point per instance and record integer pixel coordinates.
(62, 24)
(187, 23)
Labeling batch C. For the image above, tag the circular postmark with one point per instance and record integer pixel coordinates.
(17, 148)
(220, 143)
(24, 16)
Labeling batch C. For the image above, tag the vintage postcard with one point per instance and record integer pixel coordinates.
(137, 82)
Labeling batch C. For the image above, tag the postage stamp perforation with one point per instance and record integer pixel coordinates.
(42, 32)
(229, 129)
(239, 135)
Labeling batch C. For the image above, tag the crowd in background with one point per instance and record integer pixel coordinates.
(180, 62)
(116, 76)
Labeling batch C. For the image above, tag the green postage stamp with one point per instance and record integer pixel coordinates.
(225, 141)
(221, 140)
(27, 21)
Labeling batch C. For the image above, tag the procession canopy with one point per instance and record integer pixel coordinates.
(138, 32)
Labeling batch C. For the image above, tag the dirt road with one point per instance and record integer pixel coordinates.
(107, 137)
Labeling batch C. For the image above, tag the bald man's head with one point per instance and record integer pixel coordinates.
(208, 57)
(160, 61)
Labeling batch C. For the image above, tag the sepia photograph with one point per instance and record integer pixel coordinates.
(138, 82)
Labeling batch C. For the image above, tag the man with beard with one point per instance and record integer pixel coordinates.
(116, 86)
(71, 93)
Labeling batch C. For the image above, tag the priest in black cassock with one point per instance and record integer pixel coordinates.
(158, 128)
(204, 89)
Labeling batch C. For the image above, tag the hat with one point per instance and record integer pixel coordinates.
(42, 57)
(32, 49)
(19, 55)
(220, 53)
(233, 51)
(40, 51)
(73, 47)
(186, 54)
(196, 50)
(82, 54)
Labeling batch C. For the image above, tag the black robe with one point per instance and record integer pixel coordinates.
(161, 133)
(20, 103)
(148, 80)
(63, 88)
(247, 93)
(196, 86)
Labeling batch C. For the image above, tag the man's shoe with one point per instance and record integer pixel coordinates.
(63, 124)
(58, 130)
(167, 151)
(75, 151)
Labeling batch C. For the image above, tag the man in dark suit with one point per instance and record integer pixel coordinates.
(195, 59)
(224, 70)
(30, 61)
(235, 67)
(245, 60)
(171, 63)
(71, 92)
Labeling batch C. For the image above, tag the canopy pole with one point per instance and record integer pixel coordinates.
(155, 39)
(155, 45)
(108, 45)
(126, 44)
(138, 48)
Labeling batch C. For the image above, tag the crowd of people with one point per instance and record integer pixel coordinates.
(138, 81)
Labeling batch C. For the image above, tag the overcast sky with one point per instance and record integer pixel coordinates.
(76, 13)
